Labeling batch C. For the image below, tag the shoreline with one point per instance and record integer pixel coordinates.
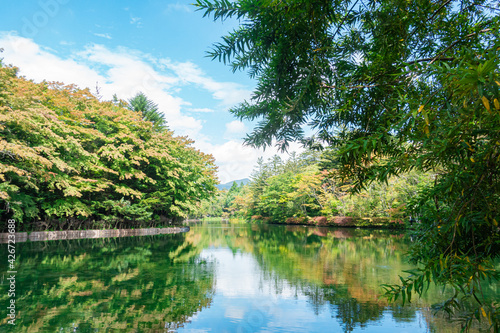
(352, 226)
(338, 221)
(35, 236)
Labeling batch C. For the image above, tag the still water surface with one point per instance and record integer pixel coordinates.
(217, 278)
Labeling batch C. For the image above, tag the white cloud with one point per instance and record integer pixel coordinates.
(125, 72)
(236, 127)
(136, 20)
(107, 36)
(39, 64)
(228, 93)
(178, 7)
(201, 110)
(236, 161)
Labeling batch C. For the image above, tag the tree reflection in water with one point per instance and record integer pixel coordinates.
(228, 278)
(338, 270)
(96, 285)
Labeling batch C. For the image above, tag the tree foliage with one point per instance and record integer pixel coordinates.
(305, 186)
(67, 157)
(395, 86)
(149, 109)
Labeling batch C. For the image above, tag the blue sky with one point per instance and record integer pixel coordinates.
(123, 47)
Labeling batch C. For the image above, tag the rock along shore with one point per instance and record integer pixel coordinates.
(337, 221)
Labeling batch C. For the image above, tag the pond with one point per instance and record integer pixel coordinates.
(217, 278)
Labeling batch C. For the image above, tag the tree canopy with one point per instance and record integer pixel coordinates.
(395, 86)
(66, 159)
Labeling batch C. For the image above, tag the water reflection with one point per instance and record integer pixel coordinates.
(130, 284)
(219, 278)
(302, 279)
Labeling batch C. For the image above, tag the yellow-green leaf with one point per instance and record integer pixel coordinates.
(486, 103)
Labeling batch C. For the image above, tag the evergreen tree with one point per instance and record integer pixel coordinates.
(149, 110)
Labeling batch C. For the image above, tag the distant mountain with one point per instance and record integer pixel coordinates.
(227, 186)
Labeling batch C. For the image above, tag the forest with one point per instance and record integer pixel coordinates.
(305, 189)
(397, 104)
(69, 160)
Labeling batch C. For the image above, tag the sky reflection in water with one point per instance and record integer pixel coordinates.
(218, 278)
(249, 300)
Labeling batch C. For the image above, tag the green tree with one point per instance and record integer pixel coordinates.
(394, 86)
(149, 110)
(68, 160)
